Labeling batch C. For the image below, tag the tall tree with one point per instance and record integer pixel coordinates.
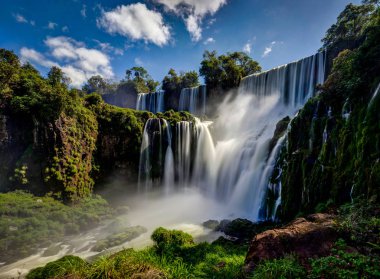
(173, 83)
(350, 24)
(226, 71)
(95, 84)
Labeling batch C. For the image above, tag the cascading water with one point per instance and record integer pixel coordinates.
(193, 100)
(153, 102)
(377, 90)
(155, 148)
(234, 166)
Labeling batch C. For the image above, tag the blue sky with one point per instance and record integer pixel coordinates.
(108, 37)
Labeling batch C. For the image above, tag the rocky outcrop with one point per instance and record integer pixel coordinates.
(304, 237)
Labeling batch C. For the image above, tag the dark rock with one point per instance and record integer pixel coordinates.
(313, 236)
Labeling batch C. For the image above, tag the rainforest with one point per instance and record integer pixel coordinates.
(225, 170)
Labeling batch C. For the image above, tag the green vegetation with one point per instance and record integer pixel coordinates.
(62, 142)
(344, 165)
(174, 255)
(225, 71)
(343, 263)
(28, 222)
(287, 267)
(173, 83)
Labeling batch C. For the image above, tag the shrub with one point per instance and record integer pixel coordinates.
(287, 267)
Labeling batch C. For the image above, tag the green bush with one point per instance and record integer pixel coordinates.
(171, 242)
(343, 264)
(66, 267)
(287, 267)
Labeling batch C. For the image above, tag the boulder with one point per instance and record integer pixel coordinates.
(304, 237)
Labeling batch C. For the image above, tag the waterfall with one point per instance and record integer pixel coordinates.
(153, 102)
(233, 163)
(294, 82)
(375, 94)
(155, 146)
(193, 100)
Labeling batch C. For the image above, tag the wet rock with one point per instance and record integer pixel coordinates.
(243, 229)
(304, 237)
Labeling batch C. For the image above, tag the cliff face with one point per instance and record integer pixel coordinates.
(333, 150)
(55, 154)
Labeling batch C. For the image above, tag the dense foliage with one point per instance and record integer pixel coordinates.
(225, 71)
(173, 83)
(351, 25)
(54, 140)
(333, 144)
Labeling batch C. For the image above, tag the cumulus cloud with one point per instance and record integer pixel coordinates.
(193, 12)
(52, 25)
(209, 40)
(247, 48)
(65, 29)
(77, 61)
(268, 49)
(107, 47)
(137, 22)
(31, 55)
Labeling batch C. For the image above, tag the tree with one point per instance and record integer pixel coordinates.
(226, 70)
(173, 83)
(9, 68)
(350, 25)
(57, 77)
(95, 84)
(142, 82)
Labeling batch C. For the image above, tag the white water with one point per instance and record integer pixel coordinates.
(233, 166)
(151, 211)
(221, 169)
(377, 90)
(193, 100)
(153, 102)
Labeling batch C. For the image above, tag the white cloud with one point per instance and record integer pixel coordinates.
(137, 22)
(77, 61)
(65, 29)
(269, 49)
(247, 48)
(138, 62)
(193, 12)
(109, 49)
(193, 26)
(52, 25)
(31, 55)
(83, 11)
(209, 40)
(20, 18)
